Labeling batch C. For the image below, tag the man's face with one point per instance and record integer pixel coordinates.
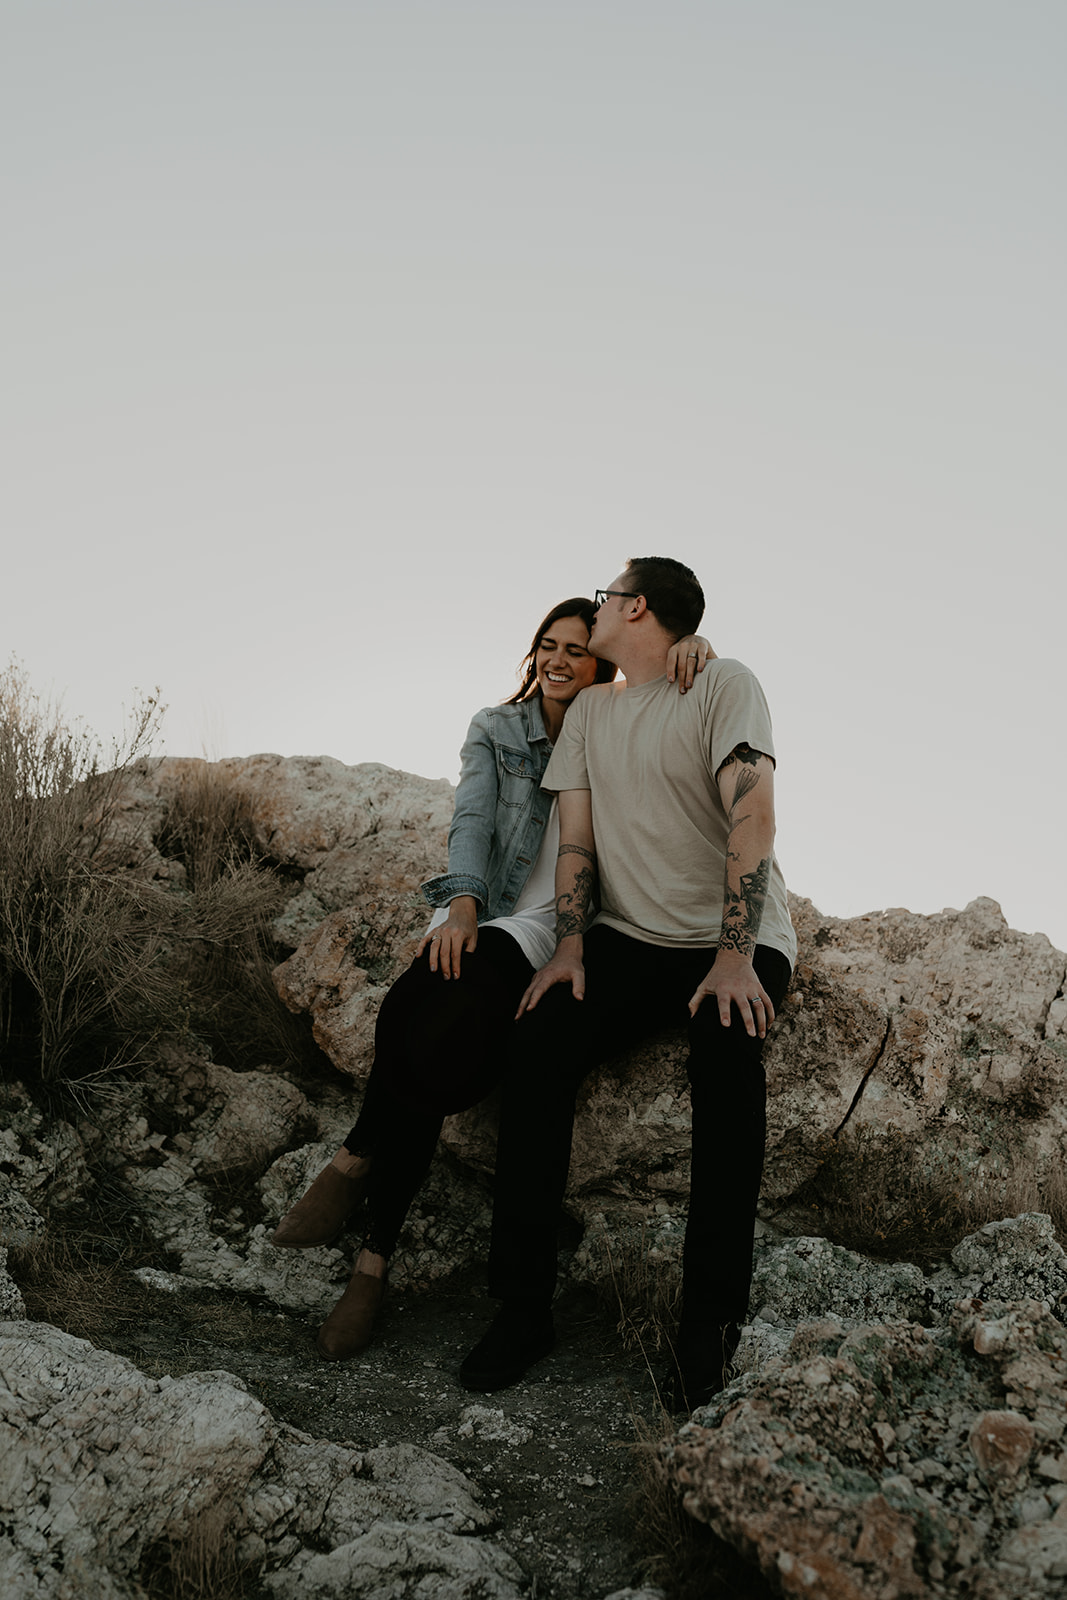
(607, 622)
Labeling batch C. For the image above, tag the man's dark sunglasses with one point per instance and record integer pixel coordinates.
(620, 594)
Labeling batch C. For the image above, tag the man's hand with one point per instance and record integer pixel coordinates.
(565, 967)
(448, 942)
(733, 979)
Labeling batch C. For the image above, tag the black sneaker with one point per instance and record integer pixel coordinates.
(517, 1337)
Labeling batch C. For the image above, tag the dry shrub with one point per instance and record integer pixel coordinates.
(229, 952)
(643, 1290)
(869, 1194)
(80, 1282)
(201, 1560)
(97, 960)
(209, 825)
(880, 1193)
(677, 1552)
(81, 945)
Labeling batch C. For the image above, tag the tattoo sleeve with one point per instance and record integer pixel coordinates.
(572, 905)
(746, 891)
(742, 909)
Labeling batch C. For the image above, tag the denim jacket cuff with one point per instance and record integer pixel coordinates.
(439, 891)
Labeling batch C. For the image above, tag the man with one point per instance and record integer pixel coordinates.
(669, 802)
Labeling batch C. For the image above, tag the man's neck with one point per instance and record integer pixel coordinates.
(641, 665)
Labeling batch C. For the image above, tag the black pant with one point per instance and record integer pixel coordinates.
(439, 1047)
(635, 990)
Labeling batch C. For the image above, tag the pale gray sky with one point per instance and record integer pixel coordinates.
(342, 339)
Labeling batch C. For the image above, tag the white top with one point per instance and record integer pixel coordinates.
(533, 922)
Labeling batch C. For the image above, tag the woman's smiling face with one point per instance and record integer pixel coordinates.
(564, 664)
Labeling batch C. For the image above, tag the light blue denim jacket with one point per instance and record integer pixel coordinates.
(501, 809)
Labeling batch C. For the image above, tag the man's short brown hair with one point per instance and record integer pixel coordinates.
(671, 592)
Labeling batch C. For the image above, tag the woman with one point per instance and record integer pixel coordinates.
(438, 1033)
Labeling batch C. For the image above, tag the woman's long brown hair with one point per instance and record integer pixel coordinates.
(527, 673)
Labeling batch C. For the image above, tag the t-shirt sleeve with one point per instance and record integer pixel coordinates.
(738, 714)
(566, 767)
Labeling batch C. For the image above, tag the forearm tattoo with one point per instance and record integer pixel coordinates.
(575, 850)
(742, 910)
(743, 907)
(572, 906)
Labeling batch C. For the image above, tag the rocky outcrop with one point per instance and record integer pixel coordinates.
(889, 1460)
(907, 1448)
(100, 1466)
(942, 1038)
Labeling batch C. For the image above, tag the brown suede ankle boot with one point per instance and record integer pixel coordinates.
(350, 1326)
(320, 1214)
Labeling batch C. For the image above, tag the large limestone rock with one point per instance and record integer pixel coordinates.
(889, 1461)
(948, 1032)
(99, 1463)
(942, 1038)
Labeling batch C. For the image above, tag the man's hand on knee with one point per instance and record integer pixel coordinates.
(566, 966)
(733, 980)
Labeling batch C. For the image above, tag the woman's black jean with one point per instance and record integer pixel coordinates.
(439, 1047)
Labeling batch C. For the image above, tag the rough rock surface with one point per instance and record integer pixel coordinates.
(948, 1031)
(942, 1039)
(946, 1034)
(890, 1461)
(99, 1463)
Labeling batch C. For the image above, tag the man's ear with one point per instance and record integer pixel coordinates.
(638, 609)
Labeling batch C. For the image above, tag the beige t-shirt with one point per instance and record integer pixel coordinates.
(649, 755)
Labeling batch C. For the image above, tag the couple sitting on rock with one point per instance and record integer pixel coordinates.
(611, 874)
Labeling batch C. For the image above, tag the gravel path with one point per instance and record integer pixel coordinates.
(553, 1455)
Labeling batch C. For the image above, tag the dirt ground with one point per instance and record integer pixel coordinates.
(554, 1455)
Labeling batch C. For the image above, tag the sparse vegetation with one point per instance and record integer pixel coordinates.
(81, 945)
(675, 1551)
(97, 959)
(872, 1193)
(643, 1290)
(201, 1560)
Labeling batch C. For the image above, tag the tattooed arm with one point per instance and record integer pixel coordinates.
(746, 785)
(575, 879)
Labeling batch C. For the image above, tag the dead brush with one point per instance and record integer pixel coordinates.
(642, 1289)
(201, 1560)
(80, 1282)
(997, 1195)
(209, 825)
(677, 1552)
(871, 1193)
(228, 952)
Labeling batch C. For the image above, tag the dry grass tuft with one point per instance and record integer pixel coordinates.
(201, 1561)
(643, 1289)
(677, 1552)
(81, 1282)
(871, 1193)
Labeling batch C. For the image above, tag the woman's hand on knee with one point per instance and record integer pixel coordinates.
(447, 943)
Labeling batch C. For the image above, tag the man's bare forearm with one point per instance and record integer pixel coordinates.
(749, 850)
(575, 879)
